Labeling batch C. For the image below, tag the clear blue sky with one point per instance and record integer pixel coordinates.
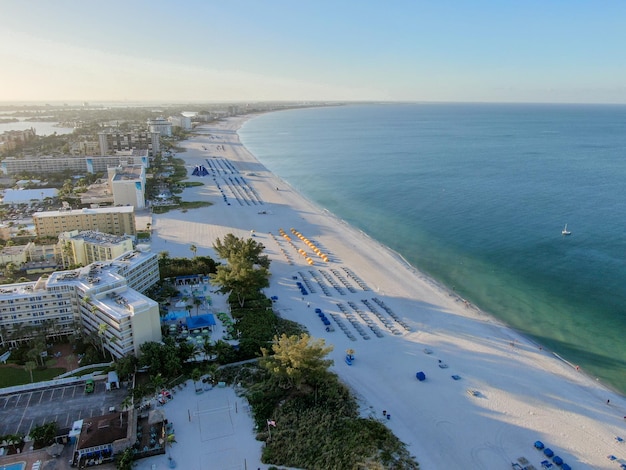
(401, 50)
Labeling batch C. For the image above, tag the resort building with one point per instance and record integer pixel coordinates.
(160, 125)
(97, 299)
(86, 247)
(128, 185)
(10, 140)
(17, 254)
(118, 141)
(114, 220)
(182, 121)
(74, 164)
(84, 147)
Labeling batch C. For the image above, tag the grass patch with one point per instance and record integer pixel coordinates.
(10, 376)
(191, 184)
(184, 206)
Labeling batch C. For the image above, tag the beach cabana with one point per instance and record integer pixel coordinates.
(420, 376)
(201, 321)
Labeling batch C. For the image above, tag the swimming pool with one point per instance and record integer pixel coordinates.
(14, 466)
(174, 315)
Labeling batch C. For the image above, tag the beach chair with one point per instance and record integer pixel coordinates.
(546, 464)
(548, 452)
(539, 445)
(619, 439)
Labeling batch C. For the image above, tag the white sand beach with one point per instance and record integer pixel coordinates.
(523, 393)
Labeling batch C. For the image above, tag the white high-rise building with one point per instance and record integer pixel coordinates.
(160, 125)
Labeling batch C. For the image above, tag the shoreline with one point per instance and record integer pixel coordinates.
(526, 392)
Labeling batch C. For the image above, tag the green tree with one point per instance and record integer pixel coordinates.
(195, 376)
(297, 360)
(126, 366)
(30, 366)
(102, 330)
(241, 279)
(44, 435)
(194, 249)
(234, 249)
(125, 460)
(197, 302)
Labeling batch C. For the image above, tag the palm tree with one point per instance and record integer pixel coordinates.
(194, 249)
(157, 382)
(195, 376)
(207, 348)
(197, 302)
(127, 403)
(102, 329)
(30, 366)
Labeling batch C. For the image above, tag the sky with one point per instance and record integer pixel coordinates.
(557, 51)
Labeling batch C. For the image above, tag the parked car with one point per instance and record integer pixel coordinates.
(89, 386)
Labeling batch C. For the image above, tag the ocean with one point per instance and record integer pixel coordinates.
(476, 196)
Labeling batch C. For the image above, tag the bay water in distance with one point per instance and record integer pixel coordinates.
(476, 196)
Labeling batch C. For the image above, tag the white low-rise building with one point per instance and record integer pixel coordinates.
(87, 246)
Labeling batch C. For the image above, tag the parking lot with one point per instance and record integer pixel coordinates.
(20, 412)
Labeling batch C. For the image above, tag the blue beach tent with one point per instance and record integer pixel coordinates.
(420, 376)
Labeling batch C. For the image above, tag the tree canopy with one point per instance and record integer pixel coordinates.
(297, 360)
(247, 271)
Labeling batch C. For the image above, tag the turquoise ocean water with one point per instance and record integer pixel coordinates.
(476, 196)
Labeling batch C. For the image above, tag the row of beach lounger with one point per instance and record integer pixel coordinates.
(352, 319)
(342, 326)
(391, 313)
(389, 324)
(281, 249)
(368, 321)
(317, 278)
(307, 283)
(343, 280)
(221, 165)
(332, 282)
(356, 279)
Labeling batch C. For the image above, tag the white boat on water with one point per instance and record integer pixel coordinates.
(565, 231)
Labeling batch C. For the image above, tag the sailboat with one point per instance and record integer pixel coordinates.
(565, 231)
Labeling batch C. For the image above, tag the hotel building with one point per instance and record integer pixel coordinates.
(103, 298)
(114, 220)
(77, 165)
(118, 141)
(86, 247)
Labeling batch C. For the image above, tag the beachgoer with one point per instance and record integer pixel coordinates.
(385, 413)
(308, 304)
(608, 402)
(388, 415)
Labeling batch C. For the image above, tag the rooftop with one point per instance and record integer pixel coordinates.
(100, 238)
(99, 210)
